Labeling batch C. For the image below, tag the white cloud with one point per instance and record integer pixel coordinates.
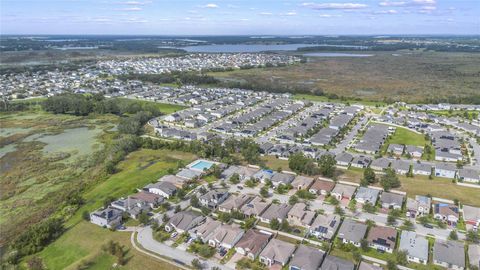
(392, 4)
(390, 11)
(210, 5)
(290, 13)
(130, 9)
(334, 5)
(425, 2)
(265, 13)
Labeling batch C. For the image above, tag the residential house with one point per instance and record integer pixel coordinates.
(299, 216)
(343, 159)
(213, 198)
(277, 252)
(275, 211)
(447, 213)
(243, 172)
(468, 175)
(334, 263)
(361, 162)
(474, 255)
(165, 189)
(252, 243)
(255, 207)
(189, 174)
(108, 217)
(390, 200)
(367, 195)
(234, 203)
(449, 254)
(302, 182)
(445, 170)
(421, 169)
(471, 215)
(175, 180)
(414, 151)
(226, 236)
(321, 187)
(380, 164)
(306, 258)
(184, 221)
(264, 175)
(395, 149)
(342, 191)
(352, 232)
(152, 199)
(206, 229)
(420, 206)
(325, 226)
(401, 167)
(382, 238)
(282, 179)
(131, 206)
(415, 246)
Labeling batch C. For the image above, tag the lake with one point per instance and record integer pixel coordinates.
(326, 54)
(246, 48)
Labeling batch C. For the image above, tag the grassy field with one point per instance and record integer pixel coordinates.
(83, 240)
(407, 137)
(326, 99)
(410, 76)
(162, 107)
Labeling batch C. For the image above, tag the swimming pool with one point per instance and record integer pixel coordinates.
(201, 165)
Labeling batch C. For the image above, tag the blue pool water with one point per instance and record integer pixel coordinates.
(202, 165)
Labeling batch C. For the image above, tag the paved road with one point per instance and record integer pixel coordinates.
(145, 239)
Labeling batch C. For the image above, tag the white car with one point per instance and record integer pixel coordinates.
(174, 234)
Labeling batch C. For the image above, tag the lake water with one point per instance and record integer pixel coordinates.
(326, 54)
(236, 48)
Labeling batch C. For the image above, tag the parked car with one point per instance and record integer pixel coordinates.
(240, 187)
(428, 226)
(174, 234)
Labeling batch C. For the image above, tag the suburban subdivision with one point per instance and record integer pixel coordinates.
(167, 160)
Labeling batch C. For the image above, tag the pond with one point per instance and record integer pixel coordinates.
(246, 48)
(327, 54)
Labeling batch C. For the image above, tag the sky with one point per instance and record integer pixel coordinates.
(240, 17)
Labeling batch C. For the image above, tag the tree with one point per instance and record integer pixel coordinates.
(390, 180)
(327, 165)
(285, 226)
(35, 263)
(293, 200)
(194, 202)
(274, 224)
(473, 237)
(369, 175)
(339, 211)
(391, 265)
(86, 215)
(391, 220)
(177, 209)
(235, 179)
(453, 235)
(249, 223)
(264, 192)
(196, 264)
(401, 257)
(143, 218)
(357, 257)
(369, 208)
(364, 244)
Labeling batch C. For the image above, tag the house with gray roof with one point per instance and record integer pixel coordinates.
(471, 215)
(449, 254)
(165, 189)
(107, 217)
(300, 216)
(343, 159)
(275, 211)
(205, 230)
(445, 170)
(264, 175)
(254, 208)
(282, 179)
(421, 169)
(380, 164)
(401, 167)
(189, 174)
(302, 182)
(277, 252)
(325, 226)
(243, 172)
(414, 151)
(334, 263)
(343, 191)
(184, 221)
(469, 175)
(352, 232)
(213, 198)
(415, 245)
(395, 149)
(234, 203)
(226, 236)
(367, 195)
(306, 258)
(419, 206)
(390, 200)
(360, 161)
(252, 243)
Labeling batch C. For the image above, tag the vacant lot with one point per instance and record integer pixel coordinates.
(83, 241)
(405, 76)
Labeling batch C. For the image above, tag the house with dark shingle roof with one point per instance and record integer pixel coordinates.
(390, 200)
(449, 254)
(275, 211)
(277, 252)
(252, 243)
(382, 238)
(334, 263)
(306, 258)
(352, 232)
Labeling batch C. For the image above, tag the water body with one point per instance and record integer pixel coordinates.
(337, 55)
(246, 48)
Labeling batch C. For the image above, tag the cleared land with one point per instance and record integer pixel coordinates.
(405, 76)
(82, 241)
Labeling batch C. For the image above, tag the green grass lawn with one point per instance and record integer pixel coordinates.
(407, 137)
(82, 240)
(165, 108)
(326, 99)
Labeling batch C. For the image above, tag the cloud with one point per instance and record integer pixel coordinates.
(130, 9)
(210, 5)
(290, 13)
(425, 2)
(392, 4)
(265, 13)
(328, 15)
(318, 6)
(390, 11)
